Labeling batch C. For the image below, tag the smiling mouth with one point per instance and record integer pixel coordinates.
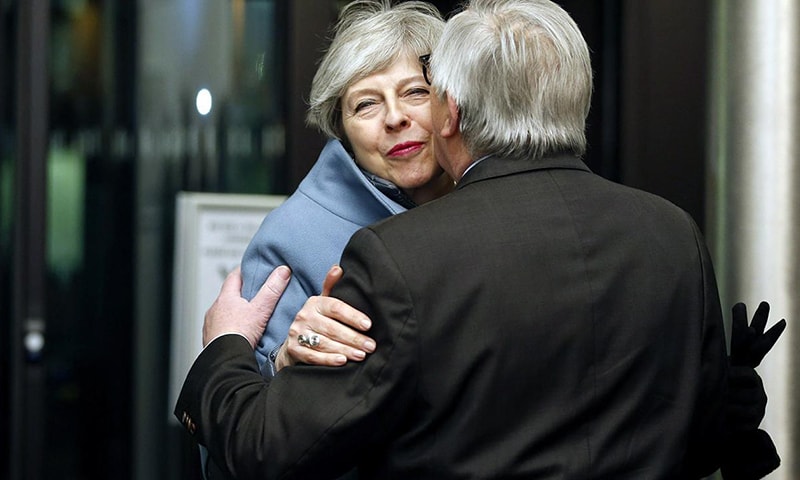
(405, 148)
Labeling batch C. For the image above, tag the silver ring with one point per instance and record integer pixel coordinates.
(308, 340)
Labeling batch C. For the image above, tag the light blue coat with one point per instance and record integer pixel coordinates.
(308, 233)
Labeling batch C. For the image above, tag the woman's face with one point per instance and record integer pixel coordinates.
(387, 120)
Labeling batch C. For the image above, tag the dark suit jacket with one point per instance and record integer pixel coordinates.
(539, 322)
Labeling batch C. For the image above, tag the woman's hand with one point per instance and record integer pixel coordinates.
(750, 343)
(326, 331)
(747, 399)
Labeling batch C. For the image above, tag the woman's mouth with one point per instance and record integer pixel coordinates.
(405, 148)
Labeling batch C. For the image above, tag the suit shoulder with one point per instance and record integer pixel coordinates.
(652, 203)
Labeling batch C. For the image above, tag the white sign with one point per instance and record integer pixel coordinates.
(211, 233)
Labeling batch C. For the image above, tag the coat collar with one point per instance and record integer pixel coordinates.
(493, 167)
(337, 184)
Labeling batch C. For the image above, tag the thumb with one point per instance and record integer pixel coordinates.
(232, 283)
(331, 279)
(269, 293)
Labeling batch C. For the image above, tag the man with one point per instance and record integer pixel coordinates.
(538, 322)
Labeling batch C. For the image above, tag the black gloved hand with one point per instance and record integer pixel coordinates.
(749, 344)
(749, 452)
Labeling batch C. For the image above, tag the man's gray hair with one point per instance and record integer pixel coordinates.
(369, 36)
(520, 73)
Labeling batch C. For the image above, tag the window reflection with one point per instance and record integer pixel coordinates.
(125, 136)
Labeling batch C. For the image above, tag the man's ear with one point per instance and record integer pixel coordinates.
(450, 126)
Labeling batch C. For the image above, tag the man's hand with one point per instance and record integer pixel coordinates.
(334, 323)
(230, 313)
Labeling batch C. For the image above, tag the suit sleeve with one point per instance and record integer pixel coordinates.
(309, 421)
(707, 433)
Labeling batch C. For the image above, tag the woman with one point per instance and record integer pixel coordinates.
(369, 96)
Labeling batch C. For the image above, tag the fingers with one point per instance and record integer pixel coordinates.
(230, 313)
(324, 335)
(739, 333)
(337, 325)
(760, 318)
(326, 331)
(740, 313)
(340, 323)
(764, 342)
(320, 354)
(269, 293)
(336, 337)
(330, 308)
(749, 343)
(775, 332)
(332, 278)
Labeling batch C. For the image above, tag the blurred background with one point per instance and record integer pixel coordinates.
(110, 108)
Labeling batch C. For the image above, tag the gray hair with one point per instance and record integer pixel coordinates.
(520, 73)
(369, 36)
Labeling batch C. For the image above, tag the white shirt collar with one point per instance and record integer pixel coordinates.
(475, 163)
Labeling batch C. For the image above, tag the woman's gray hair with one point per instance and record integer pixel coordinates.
(520, 73)
(369, 36)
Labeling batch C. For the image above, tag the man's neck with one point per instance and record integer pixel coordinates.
(458, 158)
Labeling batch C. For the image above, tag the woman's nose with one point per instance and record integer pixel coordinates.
(396, 117)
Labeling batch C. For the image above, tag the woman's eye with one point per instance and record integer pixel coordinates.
(418, 91)
(363, 104)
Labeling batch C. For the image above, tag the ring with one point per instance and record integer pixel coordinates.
(308, 340)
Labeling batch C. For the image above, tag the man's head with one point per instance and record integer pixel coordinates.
(517, 74)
